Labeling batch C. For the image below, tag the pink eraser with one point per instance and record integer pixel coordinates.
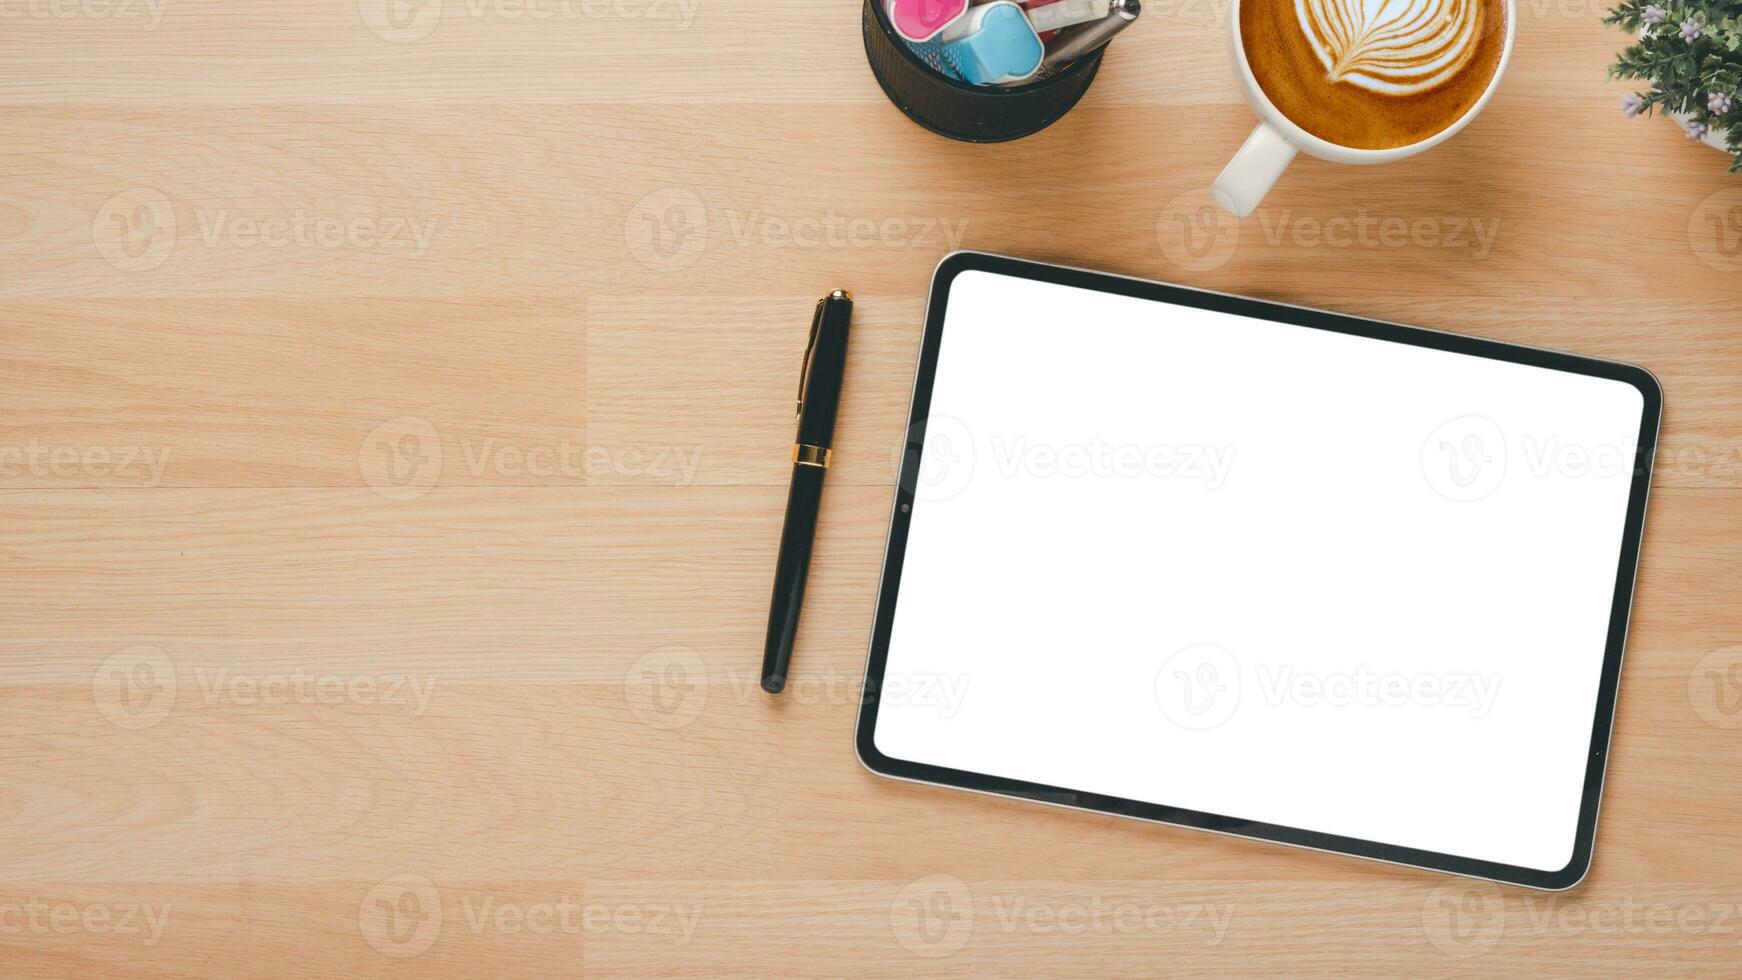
(922, 20)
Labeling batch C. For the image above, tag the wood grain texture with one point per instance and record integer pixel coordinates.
(394, 404)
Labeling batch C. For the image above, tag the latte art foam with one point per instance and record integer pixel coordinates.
(1391, 47)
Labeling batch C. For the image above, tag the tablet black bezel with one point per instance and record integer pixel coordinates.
(901, 514)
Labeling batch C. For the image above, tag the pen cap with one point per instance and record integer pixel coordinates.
(959, 109)
(825, 367)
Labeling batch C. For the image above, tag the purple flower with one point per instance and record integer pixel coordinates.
(1653, 14)
(1632, 104)
(1691, 30)
(1718, 103)
(1696, 130)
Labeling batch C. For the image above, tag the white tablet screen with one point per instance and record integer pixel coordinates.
(1260, 570)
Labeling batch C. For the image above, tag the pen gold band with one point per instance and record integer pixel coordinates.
(807, 455)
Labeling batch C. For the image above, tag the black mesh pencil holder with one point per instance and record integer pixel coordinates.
(962, 111)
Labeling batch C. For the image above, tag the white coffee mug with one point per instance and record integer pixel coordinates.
(1276, 139)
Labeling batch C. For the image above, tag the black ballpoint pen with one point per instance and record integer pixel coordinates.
(819, 395)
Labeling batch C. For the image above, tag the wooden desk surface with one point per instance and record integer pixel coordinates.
(396, 404)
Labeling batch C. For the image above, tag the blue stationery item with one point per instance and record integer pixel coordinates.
(935, 57)
(993, 45)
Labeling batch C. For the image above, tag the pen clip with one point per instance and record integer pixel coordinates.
(804, 371)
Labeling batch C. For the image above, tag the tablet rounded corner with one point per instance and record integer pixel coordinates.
(1650, 390)
(954, 264)
(871, 757)
(1572, 874)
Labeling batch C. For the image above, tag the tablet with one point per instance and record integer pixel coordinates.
(1257, 569)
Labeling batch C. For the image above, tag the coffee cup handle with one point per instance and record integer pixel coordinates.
(1255, 167)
